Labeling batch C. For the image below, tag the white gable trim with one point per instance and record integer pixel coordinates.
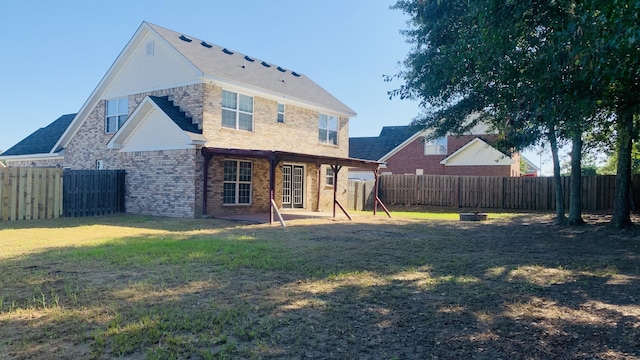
(32, 157)
(141, 115)
(493, 156)
(103, 85)
(395, 150)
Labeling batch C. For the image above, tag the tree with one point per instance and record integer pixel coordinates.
(531, 77)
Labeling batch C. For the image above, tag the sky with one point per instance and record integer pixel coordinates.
(54, 53)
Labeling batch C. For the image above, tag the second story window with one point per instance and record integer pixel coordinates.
(328, 129)
(435, 146)
(280, 113)
(116, 114)
(237, 111)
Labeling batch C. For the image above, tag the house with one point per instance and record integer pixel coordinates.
(407, 150)
(203, 130)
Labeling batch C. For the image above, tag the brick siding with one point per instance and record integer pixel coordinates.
(170, 183)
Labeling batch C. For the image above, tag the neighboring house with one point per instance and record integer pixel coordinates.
(203, 130)
(533, 170)
(406, 150)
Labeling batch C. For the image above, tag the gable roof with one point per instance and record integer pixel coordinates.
(42, 140)
(156, 113)
(218, 63)
(376, 148)
(477, 152)
(174, 113)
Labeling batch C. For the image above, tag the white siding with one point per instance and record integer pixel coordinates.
(156, 132)
(479, 153)
(144, 72)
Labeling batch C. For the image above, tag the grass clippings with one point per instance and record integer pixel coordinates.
(514, 287)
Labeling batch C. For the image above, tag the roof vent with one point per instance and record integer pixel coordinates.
(265, 64)
(184, 38)
(227, 51)
(295, 74)
(249, 59)
(281, 69)
(208, 46)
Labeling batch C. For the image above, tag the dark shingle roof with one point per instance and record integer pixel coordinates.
(43, 139)
(374, 148)
(179, 117)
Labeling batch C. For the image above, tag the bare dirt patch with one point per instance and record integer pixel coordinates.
(373, 288)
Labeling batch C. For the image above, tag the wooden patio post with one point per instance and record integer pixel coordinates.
(273, 162)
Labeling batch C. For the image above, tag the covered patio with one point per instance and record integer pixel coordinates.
(276, 157)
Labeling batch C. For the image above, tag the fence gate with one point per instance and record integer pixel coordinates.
(93, 192)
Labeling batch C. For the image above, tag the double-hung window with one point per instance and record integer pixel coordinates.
(116, 114)
(329, 176)
(280, 113)
(237, 182)
(237, 111)
(328, 129)
(435, 146)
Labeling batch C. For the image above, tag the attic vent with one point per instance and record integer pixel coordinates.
(226, 51)
(184, 38)
(249, 59)
(208, 46)
(265, 64)
(281, 69)
(150, 48)
(295, 74)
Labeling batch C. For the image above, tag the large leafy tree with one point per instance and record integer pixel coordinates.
(529, 75)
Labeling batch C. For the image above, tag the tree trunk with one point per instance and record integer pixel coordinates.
(575, 192)
(553, 141)
(621, 205)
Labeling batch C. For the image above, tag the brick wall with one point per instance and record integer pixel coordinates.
(299, 132)
(260, 188)
(412, 157)
(170, 183)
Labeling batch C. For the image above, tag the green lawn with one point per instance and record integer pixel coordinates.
(414, 286)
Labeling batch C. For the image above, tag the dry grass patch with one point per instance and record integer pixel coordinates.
(407, 288)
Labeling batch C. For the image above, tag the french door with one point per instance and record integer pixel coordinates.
(292, 187)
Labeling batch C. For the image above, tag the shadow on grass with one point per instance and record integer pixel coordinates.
(327, 289)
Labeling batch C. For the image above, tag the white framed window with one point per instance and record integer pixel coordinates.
(99, 165)
(328, 129)
(237, 182)
(280, 113)
(435, 146)
(329, 176)
(117, 111)
(237, 111)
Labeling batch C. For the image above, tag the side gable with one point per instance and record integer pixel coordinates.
(157, 124)
(477, 152)
(382, 147)
(41, 142)
(113, 84)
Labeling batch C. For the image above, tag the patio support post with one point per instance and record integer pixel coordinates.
(336, 169)
(273, 162)
(205, 185)
(375, 191)
(319, 167)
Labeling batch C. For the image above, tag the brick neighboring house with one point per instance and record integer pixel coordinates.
(203, 130)
(405, 151)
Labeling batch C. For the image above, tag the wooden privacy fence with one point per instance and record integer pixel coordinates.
(46, 193)
(360, 194)
(30, 193)
(93, 192)
(522, 193)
